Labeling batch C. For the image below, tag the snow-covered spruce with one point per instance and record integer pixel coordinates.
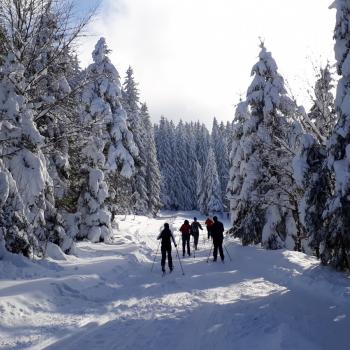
(185, 167)
(24, 160)
(313, 178)
(165, 144)
(131, 104)
(335, 248)
(267, 210)
(109, 137)
(202, 139)
(153, 177)
(322, 113)
(220, 148)
(237, 162)
(210, 199)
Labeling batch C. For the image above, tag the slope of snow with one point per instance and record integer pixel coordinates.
(106, 297)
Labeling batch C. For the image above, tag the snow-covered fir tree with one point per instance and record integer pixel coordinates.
(310, 164)
(229, 131)
(322, 117)
(199, 185)
(267, 211)
(237, 160)
(131, 104)
(219, 145)
(210, 193)
(111, 150)
(95, 218)
(183, 191)
(202, 139)
(44, 40)
(335, 247)
(153, 177)
(23, 158)
(313, 178)
(165, 144)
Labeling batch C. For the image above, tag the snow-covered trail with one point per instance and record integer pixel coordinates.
(108, 298)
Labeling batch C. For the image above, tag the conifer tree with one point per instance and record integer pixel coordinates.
(335, 248)
(268, 211)
(313, 178)
(202, 138)
(165, 137)
(322, 113)
(219, 145)
(131, 103)
(153, 177)
(39, 32)
(310, 168)
(109, 154)
(237, 155)
(210, 199)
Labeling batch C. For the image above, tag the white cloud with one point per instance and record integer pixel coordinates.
(192, 58)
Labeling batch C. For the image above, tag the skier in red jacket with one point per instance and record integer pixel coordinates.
(209, 223)
(185, 229)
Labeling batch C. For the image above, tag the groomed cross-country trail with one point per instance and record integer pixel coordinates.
(106, 297)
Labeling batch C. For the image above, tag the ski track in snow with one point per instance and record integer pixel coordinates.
(108, 298)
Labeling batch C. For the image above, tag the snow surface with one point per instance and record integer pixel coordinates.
(106, 297)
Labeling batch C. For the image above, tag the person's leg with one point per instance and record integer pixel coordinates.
(196, 237)
(183, 246)
(163, 258)
(222, 256)
(188, 246)
(215, 250)
(170, 259)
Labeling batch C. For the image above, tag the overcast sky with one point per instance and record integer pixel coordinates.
(193, 58)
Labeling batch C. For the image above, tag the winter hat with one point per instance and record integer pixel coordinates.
(195, 219)
(166, 225)
(215, 218)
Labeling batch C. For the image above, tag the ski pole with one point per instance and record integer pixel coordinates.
(178, 256)
(228, 253)
(178, 242)
(210, 252)
(155, 256)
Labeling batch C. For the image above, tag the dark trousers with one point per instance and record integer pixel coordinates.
(209, 234)
(195, 239)
(186, 242)
(166, 250)
(218, 245)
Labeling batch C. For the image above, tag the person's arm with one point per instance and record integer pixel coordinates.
(200, 226)
(160, 235)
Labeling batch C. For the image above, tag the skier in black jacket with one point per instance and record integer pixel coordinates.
(195, 226)
(217, 232)
(166, 236)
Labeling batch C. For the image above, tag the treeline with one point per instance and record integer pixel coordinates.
(76, 147)
(194, 165)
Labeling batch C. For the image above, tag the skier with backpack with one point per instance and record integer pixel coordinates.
(185, 230)
(195, 227)
(208, 224)
(217, 232)
(166, 236)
